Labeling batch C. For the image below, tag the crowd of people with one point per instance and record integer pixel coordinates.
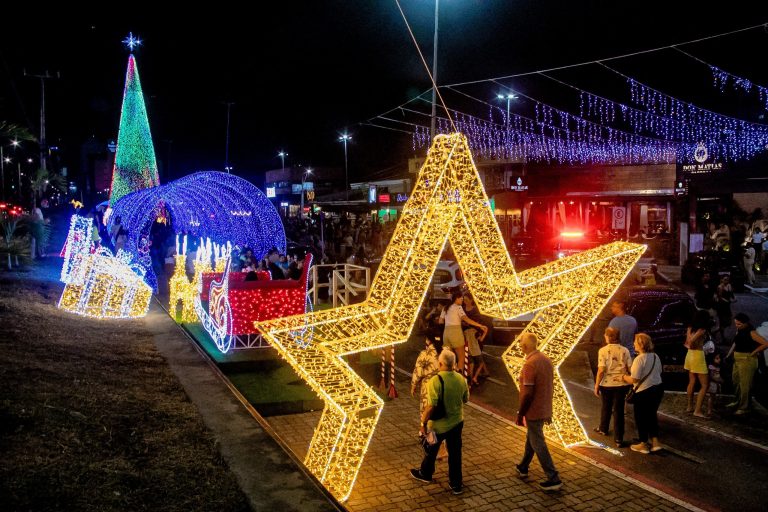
(342, 239)
(628, 372)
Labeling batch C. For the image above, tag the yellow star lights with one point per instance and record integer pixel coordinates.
(448, 203)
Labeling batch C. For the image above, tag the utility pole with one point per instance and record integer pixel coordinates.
(43, 144)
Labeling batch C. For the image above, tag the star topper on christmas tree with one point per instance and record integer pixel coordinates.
(132, 42)
(448, 203)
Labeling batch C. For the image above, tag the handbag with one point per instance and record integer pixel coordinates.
(428, 440)
(439, 410)
(630, 398)
(709, 345)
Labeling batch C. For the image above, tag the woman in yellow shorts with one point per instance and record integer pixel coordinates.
(453, 334)
(695, 362)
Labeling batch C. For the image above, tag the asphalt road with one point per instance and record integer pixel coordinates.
(709, 470)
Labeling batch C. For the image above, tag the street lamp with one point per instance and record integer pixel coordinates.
(434, 75)
(282, 154)
(345, 137)
(303, 180)
(508, 97)
(5, 160)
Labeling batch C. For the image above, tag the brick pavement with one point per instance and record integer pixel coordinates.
(491, 450)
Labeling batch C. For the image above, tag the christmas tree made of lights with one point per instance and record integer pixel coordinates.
(135, 166)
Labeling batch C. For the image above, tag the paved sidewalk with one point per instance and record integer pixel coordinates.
(492, 447)
(266, 473)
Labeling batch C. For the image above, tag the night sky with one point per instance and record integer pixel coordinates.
(299, 73)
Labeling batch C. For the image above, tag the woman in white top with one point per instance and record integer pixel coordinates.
(613, 362)
(453, 334)
(645, 376)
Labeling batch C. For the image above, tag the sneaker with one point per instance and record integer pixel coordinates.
(621, 444)
(640, 448)
(521, 473)
(551, 485)
(740, 412)
(656, 448)
(732, 404)
(416, 474)
(602, 432)
(457, 490)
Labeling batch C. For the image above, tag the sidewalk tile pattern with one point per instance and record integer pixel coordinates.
(491, 450)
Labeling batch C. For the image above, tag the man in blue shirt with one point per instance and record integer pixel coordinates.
(626, 324)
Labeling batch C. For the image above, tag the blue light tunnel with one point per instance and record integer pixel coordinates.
(214, 205)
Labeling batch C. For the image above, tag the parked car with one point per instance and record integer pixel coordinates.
(447, 278)
(524, 252)
(663, 312)
(716, 263)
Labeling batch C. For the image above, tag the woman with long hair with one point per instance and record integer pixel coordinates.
(453, 334)
(695, 362)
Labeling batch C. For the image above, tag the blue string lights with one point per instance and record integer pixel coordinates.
(722, 78)
(553, 135)
(215, 205)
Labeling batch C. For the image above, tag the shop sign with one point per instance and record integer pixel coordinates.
(702, 163)
(517, 185)
(371, 193)
(619, 217)
(270, 192)
(383, 198)
(401, 198)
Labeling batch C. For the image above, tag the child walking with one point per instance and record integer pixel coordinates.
(715, 380)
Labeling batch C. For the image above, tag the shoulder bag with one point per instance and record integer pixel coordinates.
(439, 411)
(631, 393)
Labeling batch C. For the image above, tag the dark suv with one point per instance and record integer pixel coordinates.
(662, 312)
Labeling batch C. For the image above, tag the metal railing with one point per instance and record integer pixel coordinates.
(345, 281)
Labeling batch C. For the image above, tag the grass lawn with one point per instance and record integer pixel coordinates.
(92, 418)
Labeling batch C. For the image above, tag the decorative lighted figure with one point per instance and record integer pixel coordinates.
(77, 246)
(448, 203)
(201, 203)
(101, 285)
(181, 289)
(135, 167)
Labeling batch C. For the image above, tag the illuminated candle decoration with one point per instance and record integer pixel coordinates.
(135, 167)
(448, 203)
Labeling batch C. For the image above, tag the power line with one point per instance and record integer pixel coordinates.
(623, 56)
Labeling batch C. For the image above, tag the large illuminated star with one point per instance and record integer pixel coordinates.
(448, 203)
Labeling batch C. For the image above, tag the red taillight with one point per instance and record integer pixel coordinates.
(571, 234)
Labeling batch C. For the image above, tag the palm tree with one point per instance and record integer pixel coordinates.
(15, 131)
(44, 179)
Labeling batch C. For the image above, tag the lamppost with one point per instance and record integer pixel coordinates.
(434, 75)
(345, 137)
(303, 180)
(227, 167)
(508, 97)
(282, 154)
(5, 160)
